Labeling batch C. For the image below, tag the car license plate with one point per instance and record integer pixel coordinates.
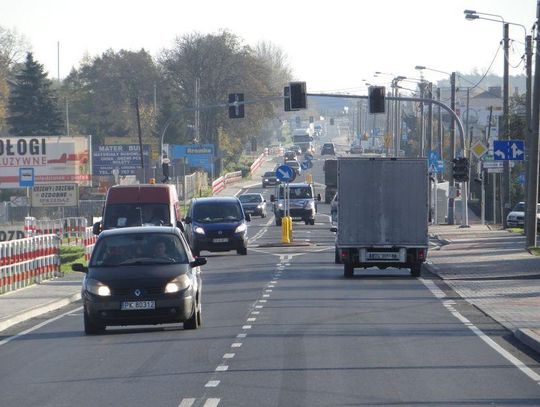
(137, 305)
(383, 256)
(220, 240)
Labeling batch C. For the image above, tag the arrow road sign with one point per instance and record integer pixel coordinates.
(305, 165)
(509, 150)
(284, 173)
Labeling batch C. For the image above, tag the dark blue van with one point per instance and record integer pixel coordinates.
(216, 224)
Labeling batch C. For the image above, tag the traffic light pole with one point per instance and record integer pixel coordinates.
(455, 121)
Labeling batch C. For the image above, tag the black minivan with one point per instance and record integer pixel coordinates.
(216, 224)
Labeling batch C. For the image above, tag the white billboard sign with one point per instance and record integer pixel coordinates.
(55, 195)
(54, 160)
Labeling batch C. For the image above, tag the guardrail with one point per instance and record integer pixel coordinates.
(258, 162)
(28, 261)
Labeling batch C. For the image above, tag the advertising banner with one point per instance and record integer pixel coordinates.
(44, 196)
(52, 159)
(124, 157)
(195, 155)
(11, 232)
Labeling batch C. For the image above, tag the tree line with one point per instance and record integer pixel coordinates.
(99, 96)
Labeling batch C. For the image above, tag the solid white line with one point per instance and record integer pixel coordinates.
(211, 403)
(478, 332)
(212, 383)
(40, 325)
(186, 403)
(437, 292)
(228, 356)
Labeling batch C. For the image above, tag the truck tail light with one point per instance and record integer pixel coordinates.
(421, 254)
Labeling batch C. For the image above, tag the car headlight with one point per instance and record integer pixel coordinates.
(266, 180)
(199, 230)
(180, 283)
(260, 206)
(240, 228)
(280, 205)
(97, 288)
(511, 217)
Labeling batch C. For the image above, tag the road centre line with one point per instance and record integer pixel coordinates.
(478, 332)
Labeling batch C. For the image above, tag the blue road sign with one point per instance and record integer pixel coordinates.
(284, 173)
(26, 177)
(308, 156)
(305, 165)
(508, 150)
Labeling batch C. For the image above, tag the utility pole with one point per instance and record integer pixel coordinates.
(533, 130)
(505, 184)
(440, 126)
(451, 183)
(422, 127)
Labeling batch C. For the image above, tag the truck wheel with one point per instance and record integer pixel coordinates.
(278, 221)
(306, 221)
(348, 270)
(416, 269)
(337, 259)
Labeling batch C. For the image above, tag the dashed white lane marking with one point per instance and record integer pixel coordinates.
(255, 312)
(211, 403)
(229, 355)
(212, 383)
(241, 335)
(222, 368)
(268, 291)
(266, 295)
(251, 319)
(246, 327)
(40, 325)
(262, 301)
(236, 345)
(478, 332)
(258, 306)
(186, 403)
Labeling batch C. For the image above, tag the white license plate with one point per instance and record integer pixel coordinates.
(220, 240)
(383, 256)
(137, 305)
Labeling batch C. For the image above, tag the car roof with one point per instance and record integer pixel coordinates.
(140, 229)
(298, 184)
(215, 199)
(251, 193)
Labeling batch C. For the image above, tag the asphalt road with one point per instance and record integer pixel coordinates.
(281, 327)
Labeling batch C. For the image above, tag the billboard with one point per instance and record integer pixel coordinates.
(44, 196)
(125, 157)
(54, 159)
(196, 155)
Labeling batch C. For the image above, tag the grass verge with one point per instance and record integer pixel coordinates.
(70, 255)
(535, 251)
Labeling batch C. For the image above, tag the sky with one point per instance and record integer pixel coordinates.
(334, 46)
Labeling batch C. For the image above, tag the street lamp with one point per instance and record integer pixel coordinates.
(532, 170)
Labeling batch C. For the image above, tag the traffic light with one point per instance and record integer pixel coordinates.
(236, 105)
(298, 95)
(461, 169)
(376, 99)
(287, 98)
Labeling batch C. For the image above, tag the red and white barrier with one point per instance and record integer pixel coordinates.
(89, 242)
(218, 185)
(28, 261)
(72, 229)
(257, 163)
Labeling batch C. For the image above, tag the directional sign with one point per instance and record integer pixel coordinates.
(26, 177)
(305, 165)
(308, 156)
(509, 150)
(284, 173)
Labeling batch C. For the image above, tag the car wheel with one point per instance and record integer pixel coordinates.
(337, 259)
(416, 270)
(242, 251)
(348, 270)
(312, 222)
(91, 327)
(193, 321)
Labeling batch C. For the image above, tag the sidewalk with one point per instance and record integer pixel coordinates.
(488, 268)
(491, 270)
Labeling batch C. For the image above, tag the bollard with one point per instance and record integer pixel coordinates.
(285, 230)
(289, 224)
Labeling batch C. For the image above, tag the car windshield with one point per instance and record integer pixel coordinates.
(293, 164)
(138, 248)
(124, 215)
(520, 207)
(250, 198)
(217, 212)
(297, 192)
(269, 174)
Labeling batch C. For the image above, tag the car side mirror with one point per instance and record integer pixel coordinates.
(333, 229)
(199, 261)
(248, 217)
(96, 228)
(187, 220)
(79, 267)
(319, 197)
(272, 198)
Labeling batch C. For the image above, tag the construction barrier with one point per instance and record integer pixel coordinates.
(257, 163)
(89, 241)
(28, 261)
(218, 185)
(72, 229)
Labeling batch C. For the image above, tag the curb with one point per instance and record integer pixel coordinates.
(37, 311)
(529, 338)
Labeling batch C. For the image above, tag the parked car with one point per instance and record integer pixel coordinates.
(254, 204)
(516, 218)
(356, 149)
(269, 178)
(141, 275)
(328, 149)
(217, 224)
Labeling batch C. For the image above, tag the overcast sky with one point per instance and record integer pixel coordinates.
(332, 45)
